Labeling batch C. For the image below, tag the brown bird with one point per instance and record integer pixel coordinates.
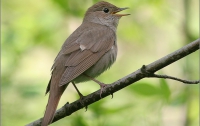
(90, 50)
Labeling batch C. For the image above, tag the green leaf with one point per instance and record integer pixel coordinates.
(165, 91)
(145, 89)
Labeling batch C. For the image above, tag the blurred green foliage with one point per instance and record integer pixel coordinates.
(33, 32)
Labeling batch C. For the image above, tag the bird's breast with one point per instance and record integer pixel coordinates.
(104, 62)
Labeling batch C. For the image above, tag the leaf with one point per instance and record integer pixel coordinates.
(145, 89)
(165, 91)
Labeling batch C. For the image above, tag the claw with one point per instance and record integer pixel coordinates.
(112, 95)
(81, 101)
(102, 86)
(86, 107)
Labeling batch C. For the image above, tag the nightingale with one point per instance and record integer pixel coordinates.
(87, 52)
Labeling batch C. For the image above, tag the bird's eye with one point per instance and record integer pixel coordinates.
(106, 10)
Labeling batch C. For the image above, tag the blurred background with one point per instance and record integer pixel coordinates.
(33, 32)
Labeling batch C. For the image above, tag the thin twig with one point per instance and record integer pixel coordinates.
(174, 78)
(153, 75)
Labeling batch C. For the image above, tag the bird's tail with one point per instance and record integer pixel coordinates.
(54, 97)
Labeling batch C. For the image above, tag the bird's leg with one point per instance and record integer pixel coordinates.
(102, 85)
(79, 93)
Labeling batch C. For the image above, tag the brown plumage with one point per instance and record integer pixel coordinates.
(89, 50)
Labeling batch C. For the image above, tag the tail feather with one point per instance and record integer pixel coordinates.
(54, 98)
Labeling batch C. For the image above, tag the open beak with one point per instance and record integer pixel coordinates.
(120, 9)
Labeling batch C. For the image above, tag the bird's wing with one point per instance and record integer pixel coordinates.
(86, 51)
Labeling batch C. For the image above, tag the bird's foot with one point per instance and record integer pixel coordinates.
(102, 86)
(80, 95)
(81, 101)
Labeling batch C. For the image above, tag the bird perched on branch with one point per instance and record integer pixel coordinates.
(88, 51)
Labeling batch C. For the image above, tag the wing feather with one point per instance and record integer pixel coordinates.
(73, 71)
(77, 57)
(71, 48)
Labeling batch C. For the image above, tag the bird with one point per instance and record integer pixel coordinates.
(89, 51)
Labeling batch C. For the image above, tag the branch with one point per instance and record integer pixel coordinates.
(173, 78)
(68, 109)
(152, 75)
